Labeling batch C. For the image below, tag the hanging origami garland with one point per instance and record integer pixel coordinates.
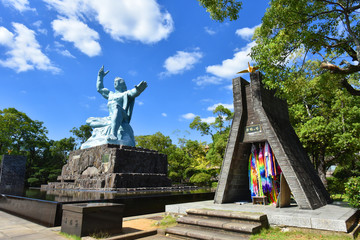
(264, 173)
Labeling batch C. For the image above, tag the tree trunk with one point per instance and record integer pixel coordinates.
(321, 168)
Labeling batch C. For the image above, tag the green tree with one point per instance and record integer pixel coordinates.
(184, 160)
(82, 133)
(218, 130)
(19, 133)
(221, 9)
(325, 117)
(50, 162)
(23, 136)
(177, 160)
(157, 142)
(325, 29)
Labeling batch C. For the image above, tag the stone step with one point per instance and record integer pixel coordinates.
(245, 216)
(224, 224)
(193, 233)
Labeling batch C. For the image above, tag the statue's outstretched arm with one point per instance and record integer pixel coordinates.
(138, 89)
(100, 83)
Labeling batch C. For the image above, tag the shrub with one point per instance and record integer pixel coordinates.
(352, 191)
(336, 185)
(200, 179)
(33, 182)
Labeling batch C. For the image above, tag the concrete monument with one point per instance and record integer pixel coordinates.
(114, 129)
(260, 116)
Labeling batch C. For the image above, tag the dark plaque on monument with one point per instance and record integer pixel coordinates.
(261, 119)
(12, 174)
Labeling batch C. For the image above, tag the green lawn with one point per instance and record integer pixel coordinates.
(291, 234)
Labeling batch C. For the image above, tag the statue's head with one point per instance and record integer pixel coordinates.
(119, 84)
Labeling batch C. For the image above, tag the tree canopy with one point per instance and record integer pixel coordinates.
(82, 133)
(218, 130)
(185, 161)
(325, 117)
(328, 30)
(19, 133)
(221, 9)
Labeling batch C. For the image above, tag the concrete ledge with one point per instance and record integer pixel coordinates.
(224, 224)
(330, 217)
(199, 234)
(135, 235)
(238, 215)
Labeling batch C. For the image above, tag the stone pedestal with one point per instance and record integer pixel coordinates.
(84, 219)
(110, 167)
(12, 174)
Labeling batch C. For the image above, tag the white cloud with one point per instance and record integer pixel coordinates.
(246, 33)
(208, 120)
(188, 116)
(38, 24)
(91, 97)
(229, 87)
(20, 5)
(70, 8)
(207, 80)
(228, 106)
(209, 31)
(133, 73)
(181, 62)
(60, 48)
(6, 37)
(77, 32)
(164, 114)
(229, 67)
(65, 53)
(24, 51)
(139, 20)
(140, 103)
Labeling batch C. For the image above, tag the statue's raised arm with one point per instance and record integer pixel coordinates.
(100, 83)
(115, 128)
(138, 89)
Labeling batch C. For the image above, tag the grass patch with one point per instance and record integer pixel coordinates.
(98, 235)
(290, 234)
(73, 237)
(167, 221)
(338, 197)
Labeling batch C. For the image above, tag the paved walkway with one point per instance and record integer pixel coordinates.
(12, 227)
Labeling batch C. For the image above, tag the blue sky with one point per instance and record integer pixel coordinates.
(52, 50)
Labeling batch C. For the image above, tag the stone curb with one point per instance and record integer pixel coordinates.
(136, 235)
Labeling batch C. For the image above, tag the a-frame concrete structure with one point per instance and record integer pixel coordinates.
(260, 116)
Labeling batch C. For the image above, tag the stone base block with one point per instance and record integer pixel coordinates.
(113, 181)
(84, 219)
(112, 166)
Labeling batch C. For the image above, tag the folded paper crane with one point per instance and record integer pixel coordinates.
(249, 70)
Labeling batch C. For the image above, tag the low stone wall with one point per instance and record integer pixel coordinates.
(44, 212)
